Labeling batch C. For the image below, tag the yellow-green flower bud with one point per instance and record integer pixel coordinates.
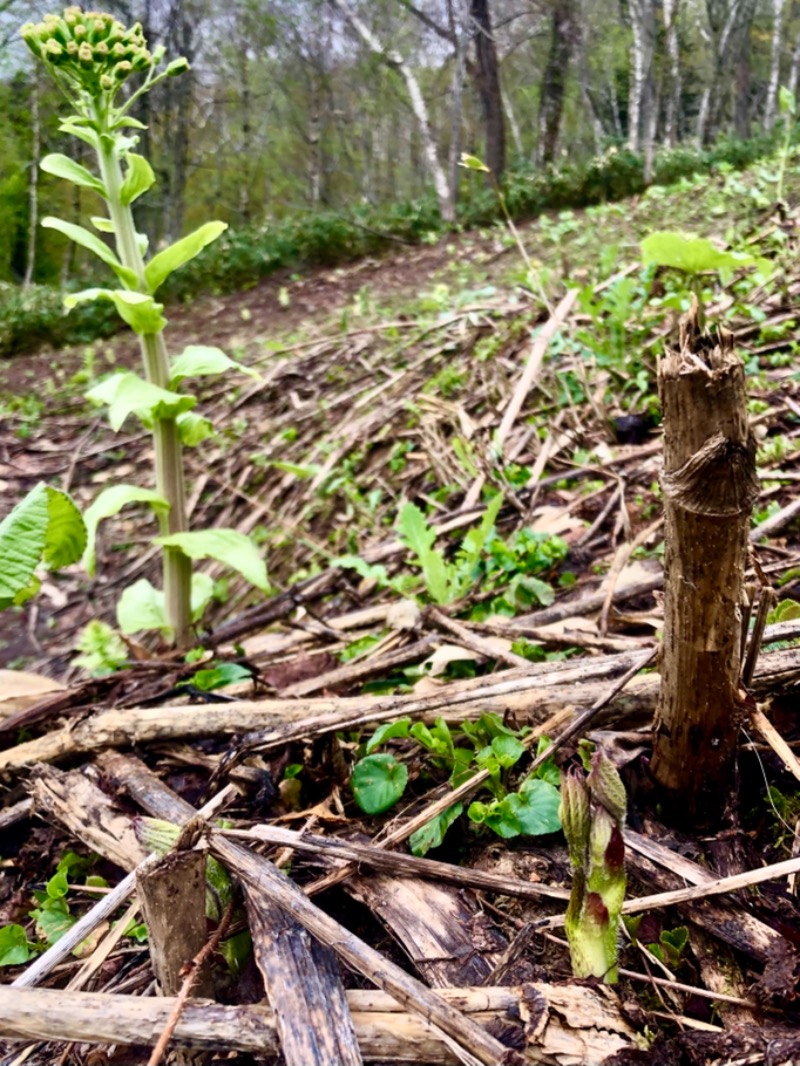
(72, 15)
(122, 70)
(79, 32)
(53, 50)
(158, 54)
(119, 51)
(72, 48)
(100, 51)
(85, 54)
(177, 66)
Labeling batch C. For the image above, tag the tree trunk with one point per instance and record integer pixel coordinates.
(672, 133)
(710, 486)
(394, 59)
(33, 184)
(458, 25)
(735, 29)
(794, 69)
(771, 105)
(554, 79)
(487, 77)
(642, 92)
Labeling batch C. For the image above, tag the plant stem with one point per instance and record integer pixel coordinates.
(177, 567)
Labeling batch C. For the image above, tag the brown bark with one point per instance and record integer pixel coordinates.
(709, 487)
(564, 33)
(487, 80)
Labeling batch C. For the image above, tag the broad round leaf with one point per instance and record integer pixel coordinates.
(141, 606)
(535, 807)
(378, 782)
(127, 393)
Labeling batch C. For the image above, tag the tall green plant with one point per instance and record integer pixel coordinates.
(96, 61)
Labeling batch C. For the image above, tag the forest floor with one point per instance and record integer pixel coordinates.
(387, 382)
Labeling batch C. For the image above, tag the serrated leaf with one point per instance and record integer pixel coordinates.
(227, 546)
(419, 537)
(126, 393)
(164, 263)
(141, 312)
(110, 502)
(200, 359)
(44, 526)
(378, 782)
(139, 177)
(61, 166)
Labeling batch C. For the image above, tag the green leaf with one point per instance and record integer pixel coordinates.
(471, 162)
(52, 920)
(418, 537)
(126, 393)
(226, 546)
(202, 593)
(86, 239)
(139, 311)
(693, 255)
(236, 950)
(535, 806)
(76, 129)
(57, 886)
(139, 177)
(141, 607)
(218, 676)
(103, 225)
(378, 782)
(164, 263)
(194, 428)
(508, 750)
(110, 502)
(200, 359)
(61, 166)
(388, 731)
(432, 833)
(102, 651)
(787, 101)
(45, 526)
(473, 544)
(14, 948)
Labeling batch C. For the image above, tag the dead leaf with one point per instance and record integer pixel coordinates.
(20, 690)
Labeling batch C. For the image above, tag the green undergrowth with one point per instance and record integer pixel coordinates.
(245, 255)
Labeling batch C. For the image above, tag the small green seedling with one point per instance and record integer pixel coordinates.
(92, 57)
(379, 781)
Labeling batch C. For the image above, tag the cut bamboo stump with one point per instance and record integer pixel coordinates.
(710, 486)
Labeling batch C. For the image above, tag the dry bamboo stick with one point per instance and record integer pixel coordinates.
(581, 1024)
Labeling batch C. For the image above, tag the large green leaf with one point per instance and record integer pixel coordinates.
(163, 263)
(200, 359)
(139, 177)
(141, 312)
(126, 393)
(110, 502)
(693, 255)
(45, 526)
(227, 546)
(61, 166)
(194, 428)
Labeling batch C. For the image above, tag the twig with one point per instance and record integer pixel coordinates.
(194, 968)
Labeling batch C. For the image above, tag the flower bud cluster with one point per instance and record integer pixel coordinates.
(92, 50)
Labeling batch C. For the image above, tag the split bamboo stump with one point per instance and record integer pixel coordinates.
(710, 486)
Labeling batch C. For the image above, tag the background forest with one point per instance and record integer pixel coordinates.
(342, 121)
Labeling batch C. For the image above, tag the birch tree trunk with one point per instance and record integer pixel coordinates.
(395, 61)
(672, 133)
(459, 25)
(794, 69)
(642, 93)
(727, 27)
(771, 105)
